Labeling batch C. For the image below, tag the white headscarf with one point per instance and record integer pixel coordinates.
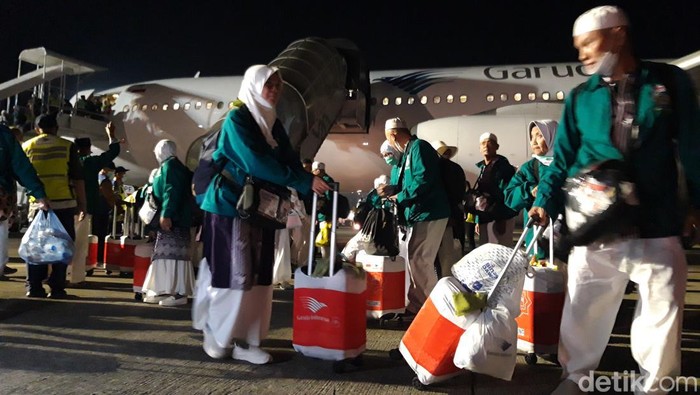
(548, 128)
(263, 112)
(164, 150)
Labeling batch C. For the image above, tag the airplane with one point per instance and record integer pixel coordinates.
(334, 109)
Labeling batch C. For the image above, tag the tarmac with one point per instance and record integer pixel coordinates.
(102, 341)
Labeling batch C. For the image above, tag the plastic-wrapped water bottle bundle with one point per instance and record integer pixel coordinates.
(46, 241)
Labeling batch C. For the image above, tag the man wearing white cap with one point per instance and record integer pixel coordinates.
(495, 219)
(455, 183)
(421, 197)
(628, 110)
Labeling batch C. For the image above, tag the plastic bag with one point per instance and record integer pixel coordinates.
(323, 238)
(46, 241)
(490, 345)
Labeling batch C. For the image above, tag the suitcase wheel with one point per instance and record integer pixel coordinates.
(417, 384)
(138, 296)
(90, 272)
(357, 361)
(531, 358)
(338, 366)
(395, 354)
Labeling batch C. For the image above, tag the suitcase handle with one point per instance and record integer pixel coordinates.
(516, 250)
(312, 234)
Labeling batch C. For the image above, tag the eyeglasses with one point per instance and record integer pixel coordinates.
(387, 154)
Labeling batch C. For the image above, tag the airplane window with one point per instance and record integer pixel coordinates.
(198, 105)
(424, 100)
(385, 101)
(187, 106)
(489, 98)
(545, 95)
(165, 107)
(450, 98)
(463, 99)
(209, 105)
(397, 101)
(219, 105)
(176, 106)
(436, 99)
(504, 96)
(517, 97)
(560, 95)
(531, 96)
(135, 107)
(154, 107)
(411, 100)
(126, 108)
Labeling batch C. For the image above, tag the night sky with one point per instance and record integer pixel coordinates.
(153, 39)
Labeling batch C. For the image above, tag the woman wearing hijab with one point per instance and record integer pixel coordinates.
(170, 278)
(236, 308)
(522, 189)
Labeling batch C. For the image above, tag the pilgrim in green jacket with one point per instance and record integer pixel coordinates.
(667, 109)
(15, 167)
(422, 196)
(522, 188)
(171, 188)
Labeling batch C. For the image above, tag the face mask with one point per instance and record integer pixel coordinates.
(605, 66)
(391, 160)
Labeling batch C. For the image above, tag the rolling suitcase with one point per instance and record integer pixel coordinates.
(386, 284)
(430, 343)
(113, 249)
(129, 241)
(329, 312)
(91, 260)
(541, 307)
(142, 261)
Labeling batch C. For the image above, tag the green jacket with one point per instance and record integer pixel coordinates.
(583, 138)
(245, 152)
(92, 164)
(518, 193)
(171, 188)
(326, 199)
(493, 181)
(422, 196)
(15, 166)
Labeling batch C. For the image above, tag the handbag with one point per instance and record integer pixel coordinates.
(264, 204)
(601, 203)
(149, 209)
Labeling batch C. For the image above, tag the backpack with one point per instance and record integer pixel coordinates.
(207, 167)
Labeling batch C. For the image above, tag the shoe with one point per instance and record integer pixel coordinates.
(36, 294)
(154, 299)
(177, 300)
(9, 270)
(211, 348)
(252, 354)
(58, 295)
(90, 272)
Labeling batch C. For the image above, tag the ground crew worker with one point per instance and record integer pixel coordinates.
(58, 167)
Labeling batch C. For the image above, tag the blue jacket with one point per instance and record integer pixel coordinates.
(244, 150)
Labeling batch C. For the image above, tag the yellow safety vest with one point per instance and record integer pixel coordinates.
(50, 155)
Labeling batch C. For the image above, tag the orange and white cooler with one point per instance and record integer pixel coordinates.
(113, 248)
(429, 344)
(541, 306)
(329, 312)
(386, 285)
(142, 260)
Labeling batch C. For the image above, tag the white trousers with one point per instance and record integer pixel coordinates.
(76, 270)
(597, 277)
(449, 252)
(422, 242)
(300, 243)
(489, 234)
(231, 314)
(4, 241)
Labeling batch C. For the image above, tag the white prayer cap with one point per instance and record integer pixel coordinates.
(441, 147)
(381, 180)
(318, 166)
(602, 17)
(488, 136)
(395, 123)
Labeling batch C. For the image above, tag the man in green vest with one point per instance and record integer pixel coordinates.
(58, 167)
(634, 111)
